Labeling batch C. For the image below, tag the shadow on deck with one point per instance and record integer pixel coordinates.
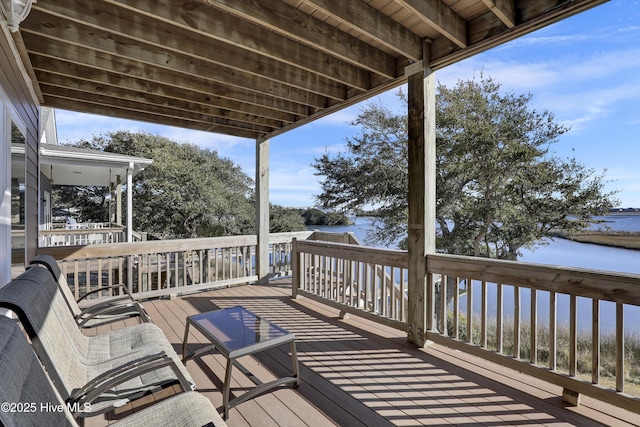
(358, 373)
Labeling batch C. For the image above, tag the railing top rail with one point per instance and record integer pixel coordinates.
(608, 286)
(158, 246)
(388, 257)
(147, 247)
(65, 231)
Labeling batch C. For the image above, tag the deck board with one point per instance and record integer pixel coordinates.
(358, 373)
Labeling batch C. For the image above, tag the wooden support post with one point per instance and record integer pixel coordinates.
(422, 197)
(262, 209)
(130, 203)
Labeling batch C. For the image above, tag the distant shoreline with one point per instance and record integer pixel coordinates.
(617, 239)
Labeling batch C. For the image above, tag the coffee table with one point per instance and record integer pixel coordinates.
(237, 332)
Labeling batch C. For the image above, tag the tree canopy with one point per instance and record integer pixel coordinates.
(499, 185)
(186, 192)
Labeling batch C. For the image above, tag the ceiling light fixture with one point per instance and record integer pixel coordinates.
(14, 12)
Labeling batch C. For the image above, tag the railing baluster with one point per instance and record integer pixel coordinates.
(573, 335)
(483, 322)
(620, 347)
(553, 330)
(443, 305)
(516, 322)
(533, 346)
(469, 310)
(499, 317)
(456, 304)
(99, 267)
(595, 341)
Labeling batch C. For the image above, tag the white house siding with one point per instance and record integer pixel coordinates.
(17, 103)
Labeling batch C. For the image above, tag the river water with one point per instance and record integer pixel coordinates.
(565, 253)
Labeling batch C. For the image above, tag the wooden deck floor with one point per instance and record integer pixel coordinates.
(357, 373)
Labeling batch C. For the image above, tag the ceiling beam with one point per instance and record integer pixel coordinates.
(170, 97)
(112, 100)
(367, 20)
(132, 56)
(56, 84)
(197, 91)
(131, 49)
(90, 108)
(316, 34)
(441, 17)
(153, 33)
(503, 9)
(204, 20)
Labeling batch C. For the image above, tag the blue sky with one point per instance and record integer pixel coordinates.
(585, 70)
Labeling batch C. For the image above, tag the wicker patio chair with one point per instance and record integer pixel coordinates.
(30, 399)
(106, 370)
(94, 313)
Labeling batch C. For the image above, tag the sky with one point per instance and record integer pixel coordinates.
(585, 70)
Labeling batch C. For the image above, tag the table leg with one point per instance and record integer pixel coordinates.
(184, 341)
(294, 364)
(226, 389)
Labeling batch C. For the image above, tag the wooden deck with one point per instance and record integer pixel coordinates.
(357, 373)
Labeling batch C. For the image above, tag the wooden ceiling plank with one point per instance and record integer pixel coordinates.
(90, 108)
(503, 9)
(83, 88)
(488, 31)
(316, 34)
(134, 52)
(235, 98)
(160, 111)
(171, 97)
(369, 21)
(206, 21)
(153, 32)
(441, 17)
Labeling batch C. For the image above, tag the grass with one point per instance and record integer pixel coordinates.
(618, 239)
(584, 350)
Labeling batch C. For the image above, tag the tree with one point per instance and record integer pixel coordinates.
(499, 186)
(186, 192)
(283, 219)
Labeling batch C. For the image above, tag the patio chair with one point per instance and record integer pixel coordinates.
(30, 399)
(98, 313)
(106, 370)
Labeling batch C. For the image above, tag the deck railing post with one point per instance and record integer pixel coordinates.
(421, 195)
(295, 267)
(262, 209)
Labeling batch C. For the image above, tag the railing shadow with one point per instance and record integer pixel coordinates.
(357, 377)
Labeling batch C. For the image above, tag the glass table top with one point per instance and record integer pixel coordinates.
(237, 328)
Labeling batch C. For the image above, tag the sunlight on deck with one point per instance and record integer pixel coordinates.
(355, 372)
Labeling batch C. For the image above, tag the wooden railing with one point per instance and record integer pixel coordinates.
(366, 281)
(166, 267)
(82, 236)
(532, 318)
(538, 319)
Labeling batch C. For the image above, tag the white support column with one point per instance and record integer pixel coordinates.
(130, 203)
(119, 201)
(262, 209)
(422, 196)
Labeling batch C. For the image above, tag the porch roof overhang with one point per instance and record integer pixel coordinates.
(66, 165)
(254, 69)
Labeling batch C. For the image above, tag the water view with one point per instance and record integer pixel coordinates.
(560, 252)
(557, 251)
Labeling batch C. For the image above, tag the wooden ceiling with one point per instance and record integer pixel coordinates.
(255, 68)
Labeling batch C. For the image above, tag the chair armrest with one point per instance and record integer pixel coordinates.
(135, 309)
(106, 288)
(109, 379)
